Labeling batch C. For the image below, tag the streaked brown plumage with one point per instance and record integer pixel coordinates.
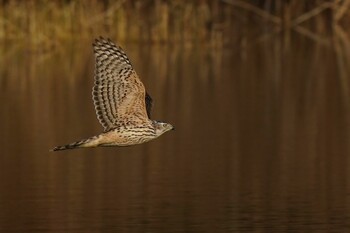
(122, 105)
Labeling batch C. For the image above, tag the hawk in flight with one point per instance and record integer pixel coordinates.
(122, 104)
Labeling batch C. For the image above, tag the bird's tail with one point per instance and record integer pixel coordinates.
(82, 143)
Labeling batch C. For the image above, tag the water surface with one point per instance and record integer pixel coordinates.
(261, 141)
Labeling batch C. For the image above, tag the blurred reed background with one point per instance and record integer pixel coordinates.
(151, 21)
(60, 26)
(218, 22)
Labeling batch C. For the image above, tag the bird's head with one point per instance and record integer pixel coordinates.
(162, 127)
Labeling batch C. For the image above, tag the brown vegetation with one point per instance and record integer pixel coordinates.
(158, 21)
(152, 21)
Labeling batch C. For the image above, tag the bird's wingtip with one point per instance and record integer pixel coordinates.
(100, 40)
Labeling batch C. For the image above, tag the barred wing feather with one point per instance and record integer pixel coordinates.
(119, 95)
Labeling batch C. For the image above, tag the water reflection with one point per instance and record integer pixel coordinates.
(261, 143)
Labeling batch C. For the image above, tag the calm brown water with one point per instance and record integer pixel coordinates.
(261, 141)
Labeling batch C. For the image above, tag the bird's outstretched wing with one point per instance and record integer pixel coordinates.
(119, 95)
